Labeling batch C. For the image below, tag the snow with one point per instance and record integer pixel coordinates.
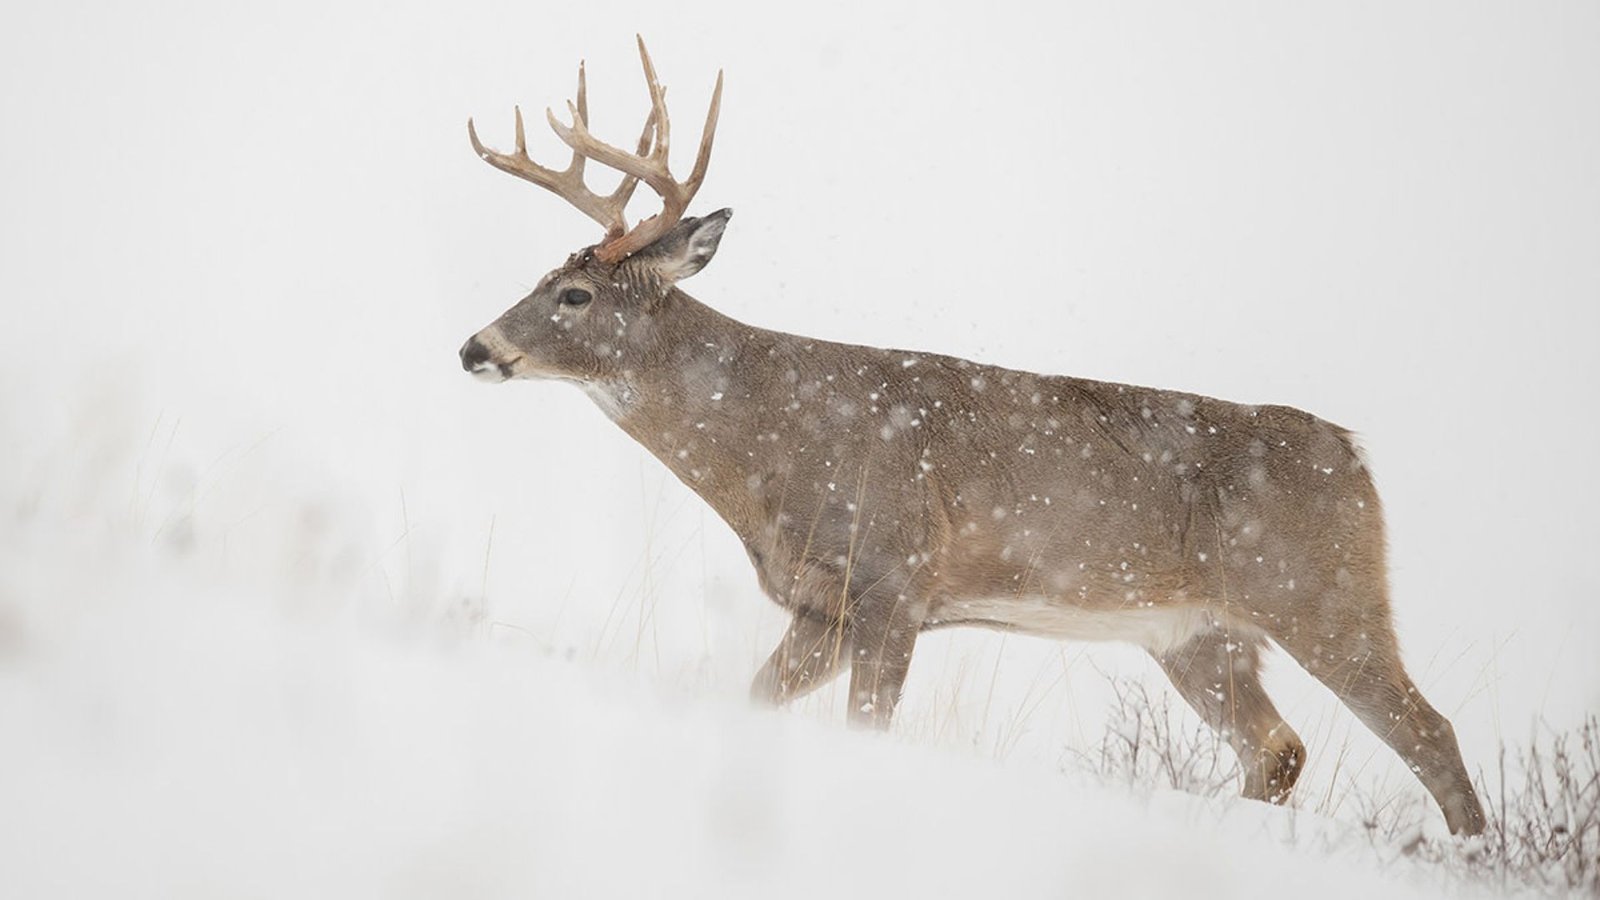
(180, 733)
(290, 605)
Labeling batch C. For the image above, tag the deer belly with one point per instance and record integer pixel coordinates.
(1154, 628)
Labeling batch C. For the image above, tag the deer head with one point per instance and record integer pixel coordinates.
(593, 317)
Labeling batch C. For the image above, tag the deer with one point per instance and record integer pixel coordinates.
(884, 493)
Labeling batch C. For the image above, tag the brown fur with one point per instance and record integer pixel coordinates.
(881, 493)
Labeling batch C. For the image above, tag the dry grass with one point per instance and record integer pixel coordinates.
(1544, 812)
(1149, 743)
(1543, 806)
(1542, 800)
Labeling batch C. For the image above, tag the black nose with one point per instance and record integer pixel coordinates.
(473, 354)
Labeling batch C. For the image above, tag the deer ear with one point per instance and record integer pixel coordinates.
(687, 248)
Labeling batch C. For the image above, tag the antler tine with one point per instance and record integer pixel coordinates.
(702, 160)
(578, 159)
(658, 103)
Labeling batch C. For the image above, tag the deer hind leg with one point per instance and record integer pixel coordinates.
(1360, 662)
(812, 653)
(1217, 673)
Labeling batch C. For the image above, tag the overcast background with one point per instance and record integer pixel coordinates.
(241, 244)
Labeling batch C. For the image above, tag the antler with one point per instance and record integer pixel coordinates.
(568, 183)
(647, 164)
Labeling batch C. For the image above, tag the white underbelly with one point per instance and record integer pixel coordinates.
(1154, 628)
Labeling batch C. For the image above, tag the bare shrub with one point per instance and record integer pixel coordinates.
(1148, 744)
(1543, 805)
(1543, 801)
(1544, 813)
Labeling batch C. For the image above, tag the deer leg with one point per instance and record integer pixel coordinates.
(812, 652)
(1217, 673)
(883, 633)
(1361, 665)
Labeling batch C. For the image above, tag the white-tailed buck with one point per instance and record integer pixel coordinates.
(883, 493)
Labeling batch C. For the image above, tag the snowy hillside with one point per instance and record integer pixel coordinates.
(176, 730)
(289, 605)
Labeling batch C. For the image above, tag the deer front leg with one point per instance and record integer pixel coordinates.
(883, 634)
(813, 651)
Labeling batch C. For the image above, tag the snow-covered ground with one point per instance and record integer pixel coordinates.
(180, 732)
(291, 606)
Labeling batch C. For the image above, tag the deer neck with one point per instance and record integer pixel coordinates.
(695, 401)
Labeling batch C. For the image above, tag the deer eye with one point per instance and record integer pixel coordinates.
(575, 297)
